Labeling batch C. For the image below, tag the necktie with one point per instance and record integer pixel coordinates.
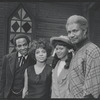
(22, 60)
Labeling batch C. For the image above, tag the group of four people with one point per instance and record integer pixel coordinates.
(74, 72)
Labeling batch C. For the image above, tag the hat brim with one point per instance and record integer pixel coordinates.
(20, 36)
(65, 40)
(54, 39)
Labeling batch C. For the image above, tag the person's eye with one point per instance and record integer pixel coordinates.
(69, 32)
(75, 31)
(37, 52)
(44, 51)
(56, 49)
(25, 44)
(18, 46)
(61, 48)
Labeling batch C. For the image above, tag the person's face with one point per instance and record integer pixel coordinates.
(61, 51)
(40, 55)
(22, 46)
(75, 33)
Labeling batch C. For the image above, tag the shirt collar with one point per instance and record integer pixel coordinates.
(19, 55)
(81, 44)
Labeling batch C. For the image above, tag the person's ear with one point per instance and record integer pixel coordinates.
(85, 33)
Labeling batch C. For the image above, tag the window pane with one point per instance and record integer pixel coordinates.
(26, 27)
(15, 26)
(20, 22)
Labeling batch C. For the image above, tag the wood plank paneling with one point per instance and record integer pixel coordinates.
(95, 19)
(51, 18)
(5, 10)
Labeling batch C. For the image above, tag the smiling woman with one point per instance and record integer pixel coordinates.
(60, 65)
(38, 76)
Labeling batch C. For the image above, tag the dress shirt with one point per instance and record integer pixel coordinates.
(21, 59)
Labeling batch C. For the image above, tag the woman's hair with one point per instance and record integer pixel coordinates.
(40, 43)
(56, 59)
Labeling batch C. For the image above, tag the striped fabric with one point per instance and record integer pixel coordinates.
(85, 72)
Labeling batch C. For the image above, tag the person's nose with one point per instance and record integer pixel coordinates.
(22, 47)
(71, 34)
(58, 51)
(41, 54)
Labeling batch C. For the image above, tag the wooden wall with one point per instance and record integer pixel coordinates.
(5, 11)
(95, 23)
(49, 19)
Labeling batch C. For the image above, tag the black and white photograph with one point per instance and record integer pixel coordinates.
(49, 49)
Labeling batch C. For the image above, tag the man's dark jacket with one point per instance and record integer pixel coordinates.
(7, 72)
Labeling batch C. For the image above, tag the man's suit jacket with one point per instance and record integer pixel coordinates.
(7, 76)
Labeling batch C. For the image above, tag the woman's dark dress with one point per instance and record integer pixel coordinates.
(39, 85)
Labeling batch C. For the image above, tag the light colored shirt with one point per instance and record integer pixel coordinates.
(21, 57)
(60, 67)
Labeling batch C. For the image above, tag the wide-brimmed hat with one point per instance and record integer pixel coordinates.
(61, 38)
